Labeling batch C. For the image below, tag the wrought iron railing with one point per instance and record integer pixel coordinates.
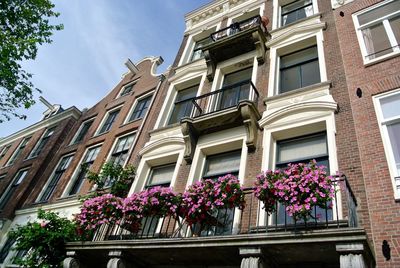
(224, 98)
(237, 27)
(252, 219)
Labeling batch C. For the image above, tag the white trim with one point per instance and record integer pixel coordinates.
(132, 83)
(115, 143)
(388, 30)
(385, 137)
(54, 127)
(137, 99)
(70, 112)
(16, 150)
(277, 11)
(52, 174)
(77, 169)
(105, 117)
(80, 128)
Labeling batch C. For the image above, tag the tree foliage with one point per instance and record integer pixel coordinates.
(24, 25)
(120, 179)
(44, 241)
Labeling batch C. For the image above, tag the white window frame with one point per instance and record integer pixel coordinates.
(16, 150)
(307, 40)
(389, 32)
(80, 128)
(115, 144)
(277, 12)
(174, 88)
(5, 150)
(52, 174)
(386, 140)
(261, 9)
(13, 181)
(77, 169)
(105, 117)
(132, 83)
(40, 140)
(135, 103)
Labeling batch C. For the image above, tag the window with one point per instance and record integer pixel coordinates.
(6, 249)
(87, 161)
(302, 150)
(2, 176)
(42, 143)
(389, 118)
(216, 166)
(19, 150)
(141, 108)
(378, 30)
(127, 89)
(197, 50)
(299, 69)
(295, 11)
(18, 179)
(161, 176)
(111, 116)
(83, 129)
(120, 153)
(55, 178)
(183, 104)
(233, 89)
(4, 151)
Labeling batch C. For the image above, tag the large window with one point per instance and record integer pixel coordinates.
(197, 50)
(42, 142)
(83, 129)
(233, 90)
(87, 161)
(6, 249)
(110, 119)
(302, 150)
(183, 104)
(389, 118)
(141, 108)
(161, 176)
(55, 178)
(299, 69)
(378, 30)
(19, 150)
(7, 194)
(4, 151)
(295, 11)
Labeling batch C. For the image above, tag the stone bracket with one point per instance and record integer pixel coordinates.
(190, 139)
(71, 261)
(250, 117)
(116, 260)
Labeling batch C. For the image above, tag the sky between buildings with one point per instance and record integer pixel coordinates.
(86, 59)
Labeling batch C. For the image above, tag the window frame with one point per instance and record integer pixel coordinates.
(16, 181)
(100, 130)
(78, 132)
(52, 178)
(151, 173)
(22, 145)
(150, 96)
(5, 150)
(387, 145)
(38, 144)
(277, 13)
(388, 31)
(182, 101)
(78, 170)
(129, 84)
(217, 175)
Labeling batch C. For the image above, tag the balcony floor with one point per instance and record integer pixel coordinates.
(313, 248)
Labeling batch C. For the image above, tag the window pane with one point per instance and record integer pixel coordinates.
(183, 109)
(141, 108)
(296, 11)
(390, 106)
(237, 77)
(394, 135)
(303, 148)
(379, 12)
(310, 73)
(395, 25)
(299, 57)
(376, 41)
(82, 133)
(222, 164)
(290, 79)
(161, 175)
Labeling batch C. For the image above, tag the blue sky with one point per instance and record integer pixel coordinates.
(86, 59)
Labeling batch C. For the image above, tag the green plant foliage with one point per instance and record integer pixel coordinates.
(24, 25)
(44, 241)
(120, 179)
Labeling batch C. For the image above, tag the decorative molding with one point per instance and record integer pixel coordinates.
(250, 118)
(339, 3)
(160, 143)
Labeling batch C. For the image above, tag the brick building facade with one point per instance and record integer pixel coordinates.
(255, 85)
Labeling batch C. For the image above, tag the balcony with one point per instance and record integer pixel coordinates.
(230, 106)
(239, 38)
(170, 242)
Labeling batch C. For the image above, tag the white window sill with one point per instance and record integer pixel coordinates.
(368, 63)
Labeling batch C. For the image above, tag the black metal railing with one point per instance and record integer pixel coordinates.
(224, 98)
(237, 27)
(252, 219)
